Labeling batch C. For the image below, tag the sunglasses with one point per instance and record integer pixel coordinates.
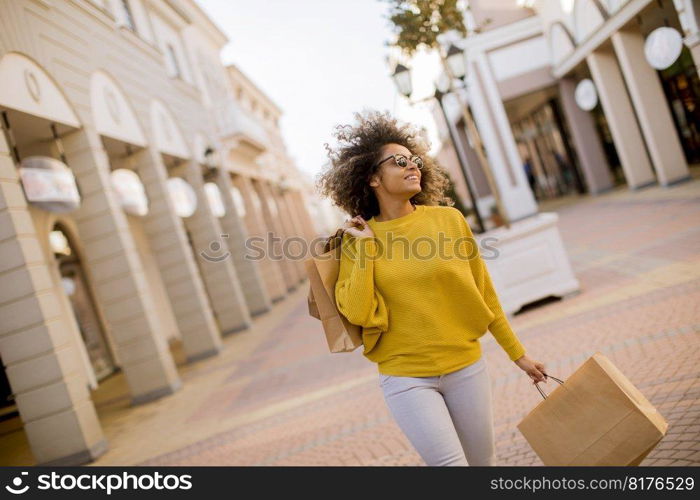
(402, 160)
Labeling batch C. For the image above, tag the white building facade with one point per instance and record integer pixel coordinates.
(631, 124)
(121, 234)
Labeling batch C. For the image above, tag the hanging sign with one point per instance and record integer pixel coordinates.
(130, 191)
(585, 95)
(662, 47)
(49, 184)
(216, 202)
(238, 201)
(183, 196)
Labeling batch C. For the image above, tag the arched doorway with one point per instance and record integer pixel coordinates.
(122, 138)
(35, 118)
(76, 286)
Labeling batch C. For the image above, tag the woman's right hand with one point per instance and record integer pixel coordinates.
(358, 227)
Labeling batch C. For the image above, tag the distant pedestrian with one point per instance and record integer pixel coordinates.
(422, 313)
(527, 166)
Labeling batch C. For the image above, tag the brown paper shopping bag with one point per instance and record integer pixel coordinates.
(341, 335)
(313, 306)
(595, 417)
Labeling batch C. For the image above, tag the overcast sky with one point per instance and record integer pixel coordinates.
(320, 61)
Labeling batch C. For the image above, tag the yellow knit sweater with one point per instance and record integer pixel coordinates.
(422, 304)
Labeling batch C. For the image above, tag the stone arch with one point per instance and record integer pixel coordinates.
(112, 113)
(167, 135)
(25, 86)
(68, 226)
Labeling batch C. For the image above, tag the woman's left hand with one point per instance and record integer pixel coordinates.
(534, 369)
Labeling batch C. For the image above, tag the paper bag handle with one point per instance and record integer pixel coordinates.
(333, 240)
(540, 389)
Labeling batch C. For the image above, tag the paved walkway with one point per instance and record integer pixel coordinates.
(275, 396)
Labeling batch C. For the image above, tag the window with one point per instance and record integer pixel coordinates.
(171, 57)
(128, 16)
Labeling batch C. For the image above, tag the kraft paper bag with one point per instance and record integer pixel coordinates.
(313, 306)
(595, 417)
(341, 335)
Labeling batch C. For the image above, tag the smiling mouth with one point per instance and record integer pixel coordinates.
(412, 178)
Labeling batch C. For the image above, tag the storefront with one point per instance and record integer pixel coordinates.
(682, 88)
(549, 159)
(632, 74)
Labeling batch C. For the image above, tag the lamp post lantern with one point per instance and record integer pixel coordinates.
(402, 79)
(455, 61)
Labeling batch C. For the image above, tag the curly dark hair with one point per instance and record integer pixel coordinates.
(346, 179)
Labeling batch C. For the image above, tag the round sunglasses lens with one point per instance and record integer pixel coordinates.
(418, 161)
(401, 161)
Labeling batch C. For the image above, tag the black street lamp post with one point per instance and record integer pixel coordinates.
(402, 79)
(457, 145)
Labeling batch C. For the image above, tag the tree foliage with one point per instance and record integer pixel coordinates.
(417, 23)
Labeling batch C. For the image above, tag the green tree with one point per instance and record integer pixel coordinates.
(417, 23)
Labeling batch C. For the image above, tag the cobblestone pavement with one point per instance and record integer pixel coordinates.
(275, 396)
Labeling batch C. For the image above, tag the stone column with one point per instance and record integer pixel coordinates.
(309, 230)
(695, 52)
(305, 230)
(248, 270)
(621, 119)
(502, 152)
(305, 217)
(689, 16)
(168, 240)
(257, 230)
(214, 260)
(274, 225)
(290, 230)
(476, 169)
(167, 326)
(589, 149)
(651, 107)
(116, 274)
(40, 359)
(298, 251)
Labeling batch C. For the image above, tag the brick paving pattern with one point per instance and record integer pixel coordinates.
(276, 396)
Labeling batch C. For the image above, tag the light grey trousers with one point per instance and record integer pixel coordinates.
(448, 418)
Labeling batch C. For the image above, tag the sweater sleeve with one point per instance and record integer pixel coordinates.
(355, 293)
(499, 327)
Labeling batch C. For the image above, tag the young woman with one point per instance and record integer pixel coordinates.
(412, 276)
